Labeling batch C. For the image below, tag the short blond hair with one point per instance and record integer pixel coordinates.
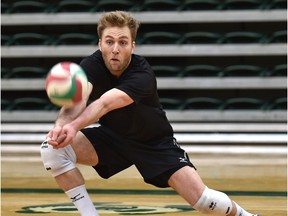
(118, 19)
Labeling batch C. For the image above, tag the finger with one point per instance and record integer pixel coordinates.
(54, 135)
(61, 138)
(48, 136)
(65, 142)
(52, 142)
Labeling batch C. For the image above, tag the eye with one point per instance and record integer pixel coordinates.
(123, 43)
(109, 42)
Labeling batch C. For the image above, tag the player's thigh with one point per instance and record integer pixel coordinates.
(84, 150)
(184, 178)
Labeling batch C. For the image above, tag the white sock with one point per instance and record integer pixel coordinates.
(241, 211)
(80, 198)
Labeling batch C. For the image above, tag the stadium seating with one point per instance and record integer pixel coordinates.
(160, 5)
(156, 37)
(201, 5)
(5, 104)
(243, 70)
(279, 70)
(243, 37)
(76, 39)
(151, 37)
(202, 103)
(167, 70)
(171, 103)
(29, 39)
(26, 72)
(243, 103)
(4, 7)
(110, 5)
(277, 104)
(202, 70)
(277, 4)
(73, 6)
(216, 61)
(243, 4)
(31, 103)
(277, 37)
(201, 38)
(27, 7)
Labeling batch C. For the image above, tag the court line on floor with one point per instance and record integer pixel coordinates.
(139, 192)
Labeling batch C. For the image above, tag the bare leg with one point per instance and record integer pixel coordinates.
(184, 178)
(85, 154)
(70, 179)
(61, 163)
(187, 177)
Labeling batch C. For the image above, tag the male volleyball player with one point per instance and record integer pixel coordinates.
(133, 128)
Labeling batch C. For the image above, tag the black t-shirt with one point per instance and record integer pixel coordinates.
(144, 120)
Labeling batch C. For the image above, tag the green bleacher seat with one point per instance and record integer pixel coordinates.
(278, 70)
(201, 5)
(5, 104)
(167, 70)
(74, 6)
(29, 7)
(27, 72)
(160, 37)
(202, 103)
(5, 39)
(31, 103)
(200, 38)
(243, 71)
(161, 5)
(30, 39)
(5, 71)
(111, 5)
(202, 70)
(243, 4)
(5, 7)
(243, 103)
(277, 4)
(277, 37)
(171, 103)
(277, 104)
(76, 39)
(243, 37)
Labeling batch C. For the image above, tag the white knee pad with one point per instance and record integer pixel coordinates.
(57, 161)
(214, 203)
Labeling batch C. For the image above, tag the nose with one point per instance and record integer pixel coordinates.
(115, 49)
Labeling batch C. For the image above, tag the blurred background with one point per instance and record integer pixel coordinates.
(221, 68)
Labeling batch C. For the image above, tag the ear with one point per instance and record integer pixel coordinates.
(133, 46)
(99, 45)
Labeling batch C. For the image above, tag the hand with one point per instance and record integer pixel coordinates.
(66, 137)
(55, 136)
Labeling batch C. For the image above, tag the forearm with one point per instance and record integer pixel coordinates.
(111, 100)
(90, 115)
(68, 114)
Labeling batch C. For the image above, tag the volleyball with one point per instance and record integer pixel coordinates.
(66, 84)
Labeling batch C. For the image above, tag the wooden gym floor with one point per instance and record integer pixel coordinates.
(256, 182)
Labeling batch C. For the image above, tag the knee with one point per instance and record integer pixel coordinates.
(57, 161)
(214, 203)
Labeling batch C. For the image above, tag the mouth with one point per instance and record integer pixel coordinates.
(114, 60)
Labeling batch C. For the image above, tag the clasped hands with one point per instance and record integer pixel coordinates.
(59, 137)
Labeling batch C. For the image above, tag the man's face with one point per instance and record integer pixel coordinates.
(117, 47)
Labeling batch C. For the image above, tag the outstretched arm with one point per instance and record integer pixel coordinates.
(111, 100)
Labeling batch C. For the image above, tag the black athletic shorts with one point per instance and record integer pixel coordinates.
(156, 161)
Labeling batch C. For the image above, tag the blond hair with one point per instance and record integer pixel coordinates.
(118, 19)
